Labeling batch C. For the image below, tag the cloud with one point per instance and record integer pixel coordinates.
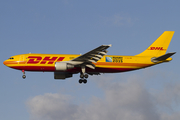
(128, 101)
(122, 100)
(51, 107)
(168, 97)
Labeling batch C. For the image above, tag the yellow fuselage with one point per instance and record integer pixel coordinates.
(107, 64)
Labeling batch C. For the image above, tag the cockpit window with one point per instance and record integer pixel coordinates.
(11, 58)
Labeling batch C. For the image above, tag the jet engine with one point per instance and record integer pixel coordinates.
(62, 66)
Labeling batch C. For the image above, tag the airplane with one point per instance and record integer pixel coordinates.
(93, 62)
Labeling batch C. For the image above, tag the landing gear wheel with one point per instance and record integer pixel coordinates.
(24, 76)
(81, 76)
(85, 81)
(86, 75)
(80, 81)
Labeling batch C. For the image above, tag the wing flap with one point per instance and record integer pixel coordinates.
(91, 66)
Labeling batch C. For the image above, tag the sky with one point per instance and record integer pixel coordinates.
(76, 27)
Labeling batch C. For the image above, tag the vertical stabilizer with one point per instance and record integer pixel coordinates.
(160, 46)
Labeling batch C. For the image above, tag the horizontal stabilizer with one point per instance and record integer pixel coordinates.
(163, 57)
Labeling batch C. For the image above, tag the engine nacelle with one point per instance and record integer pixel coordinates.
(62, 75)
(62, 66)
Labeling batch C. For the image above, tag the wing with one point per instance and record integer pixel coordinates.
(92, 56)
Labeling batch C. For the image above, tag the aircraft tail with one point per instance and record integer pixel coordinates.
(160, 46)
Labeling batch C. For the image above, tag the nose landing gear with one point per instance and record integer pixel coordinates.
(24, 76)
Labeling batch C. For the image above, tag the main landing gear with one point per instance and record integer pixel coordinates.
(24, 76)
(83, 76)
(83, 80)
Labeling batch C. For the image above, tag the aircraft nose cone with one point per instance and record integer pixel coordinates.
(5, 62)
